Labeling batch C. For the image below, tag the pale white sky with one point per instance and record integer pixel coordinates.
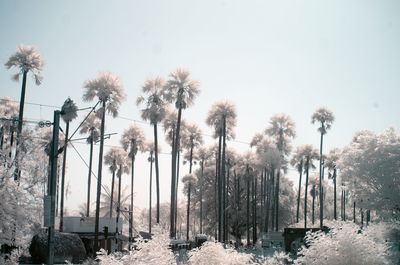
(264, 56)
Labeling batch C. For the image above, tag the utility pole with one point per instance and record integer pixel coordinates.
(52, 187)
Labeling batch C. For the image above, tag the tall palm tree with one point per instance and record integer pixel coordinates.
(26, 59)
(330, 164)
(282, 128)
(154, 111)
(314, 193)
(113, 159)
(203, 154)
(310, 154)
(325, 117)
(123, 168)
(150, 147)
(182, 90)
(192, 139)
(68, 114)
(222, 117)
(297, 161)
(188, 180)
(91, 125)
(107, 88)
(133, 139)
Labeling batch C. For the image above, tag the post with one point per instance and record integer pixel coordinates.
(52, 187)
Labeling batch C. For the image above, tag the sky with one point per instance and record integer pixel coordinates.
(266, 57)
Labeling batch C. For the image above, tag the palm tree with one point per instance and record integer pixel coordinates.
(325, 118)
(106, 200)
(310, 154)
(150, 147)
(9, 114)
(114, 158)
(154, 111)
(330, 164)
(192, 139)
(222, 117)
(314, 193)
(91, 125)
(123, 164)
(181, 90)
(26, 59)
(169, 124)
(282, 128)
(68, 114)
(108, 89)
(203, 155)
(188, 180)
(297, 161)
(271, 159)
(133, 140)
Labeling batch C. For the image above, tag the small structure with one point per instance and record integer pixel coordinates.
(294, 237)
(272, 240)
(84, 227)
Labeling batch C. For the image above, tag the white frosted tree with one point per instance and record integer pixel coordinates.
(90, 126)
(107, 89)
(154, 111)
(325, 118)
(181, 90)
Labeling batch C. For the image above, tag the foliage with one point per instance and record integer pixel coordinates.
(323, 116)
(107, 88)
(181, 89)
(26, 58)
(91, 125)
(133, 139)
(215, 254)
(345, 243)
(370, 165)
(155, 102)
(68, 110)
(218, 112)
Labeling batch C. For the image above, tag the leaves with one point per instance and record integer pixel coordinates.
(27, 59)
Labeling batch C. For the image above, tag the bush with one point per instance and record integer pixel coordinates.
(344, 244)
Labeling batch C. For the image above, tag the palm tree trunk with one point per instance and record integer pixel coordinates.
(334, 194)
(173, 177)
(201, 196)
(248, 205)
(89, 175)
(188, 211)
(11, 141)
(177, 187)
(1, 138)
(299, 192)
(277, 200)
(223, 180)
(306, 193)
(118, 205)
(131, 205)
(273, 190)
(254, 186)
(150, 191)
(354, 211)
(63, 177)
(157, 172)
(99, 176)
(219, 188)
(313, 204)
(344, 205)
(268, 202)
(112, 189)
(321, 201)
(20, 122)
(21, 105)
